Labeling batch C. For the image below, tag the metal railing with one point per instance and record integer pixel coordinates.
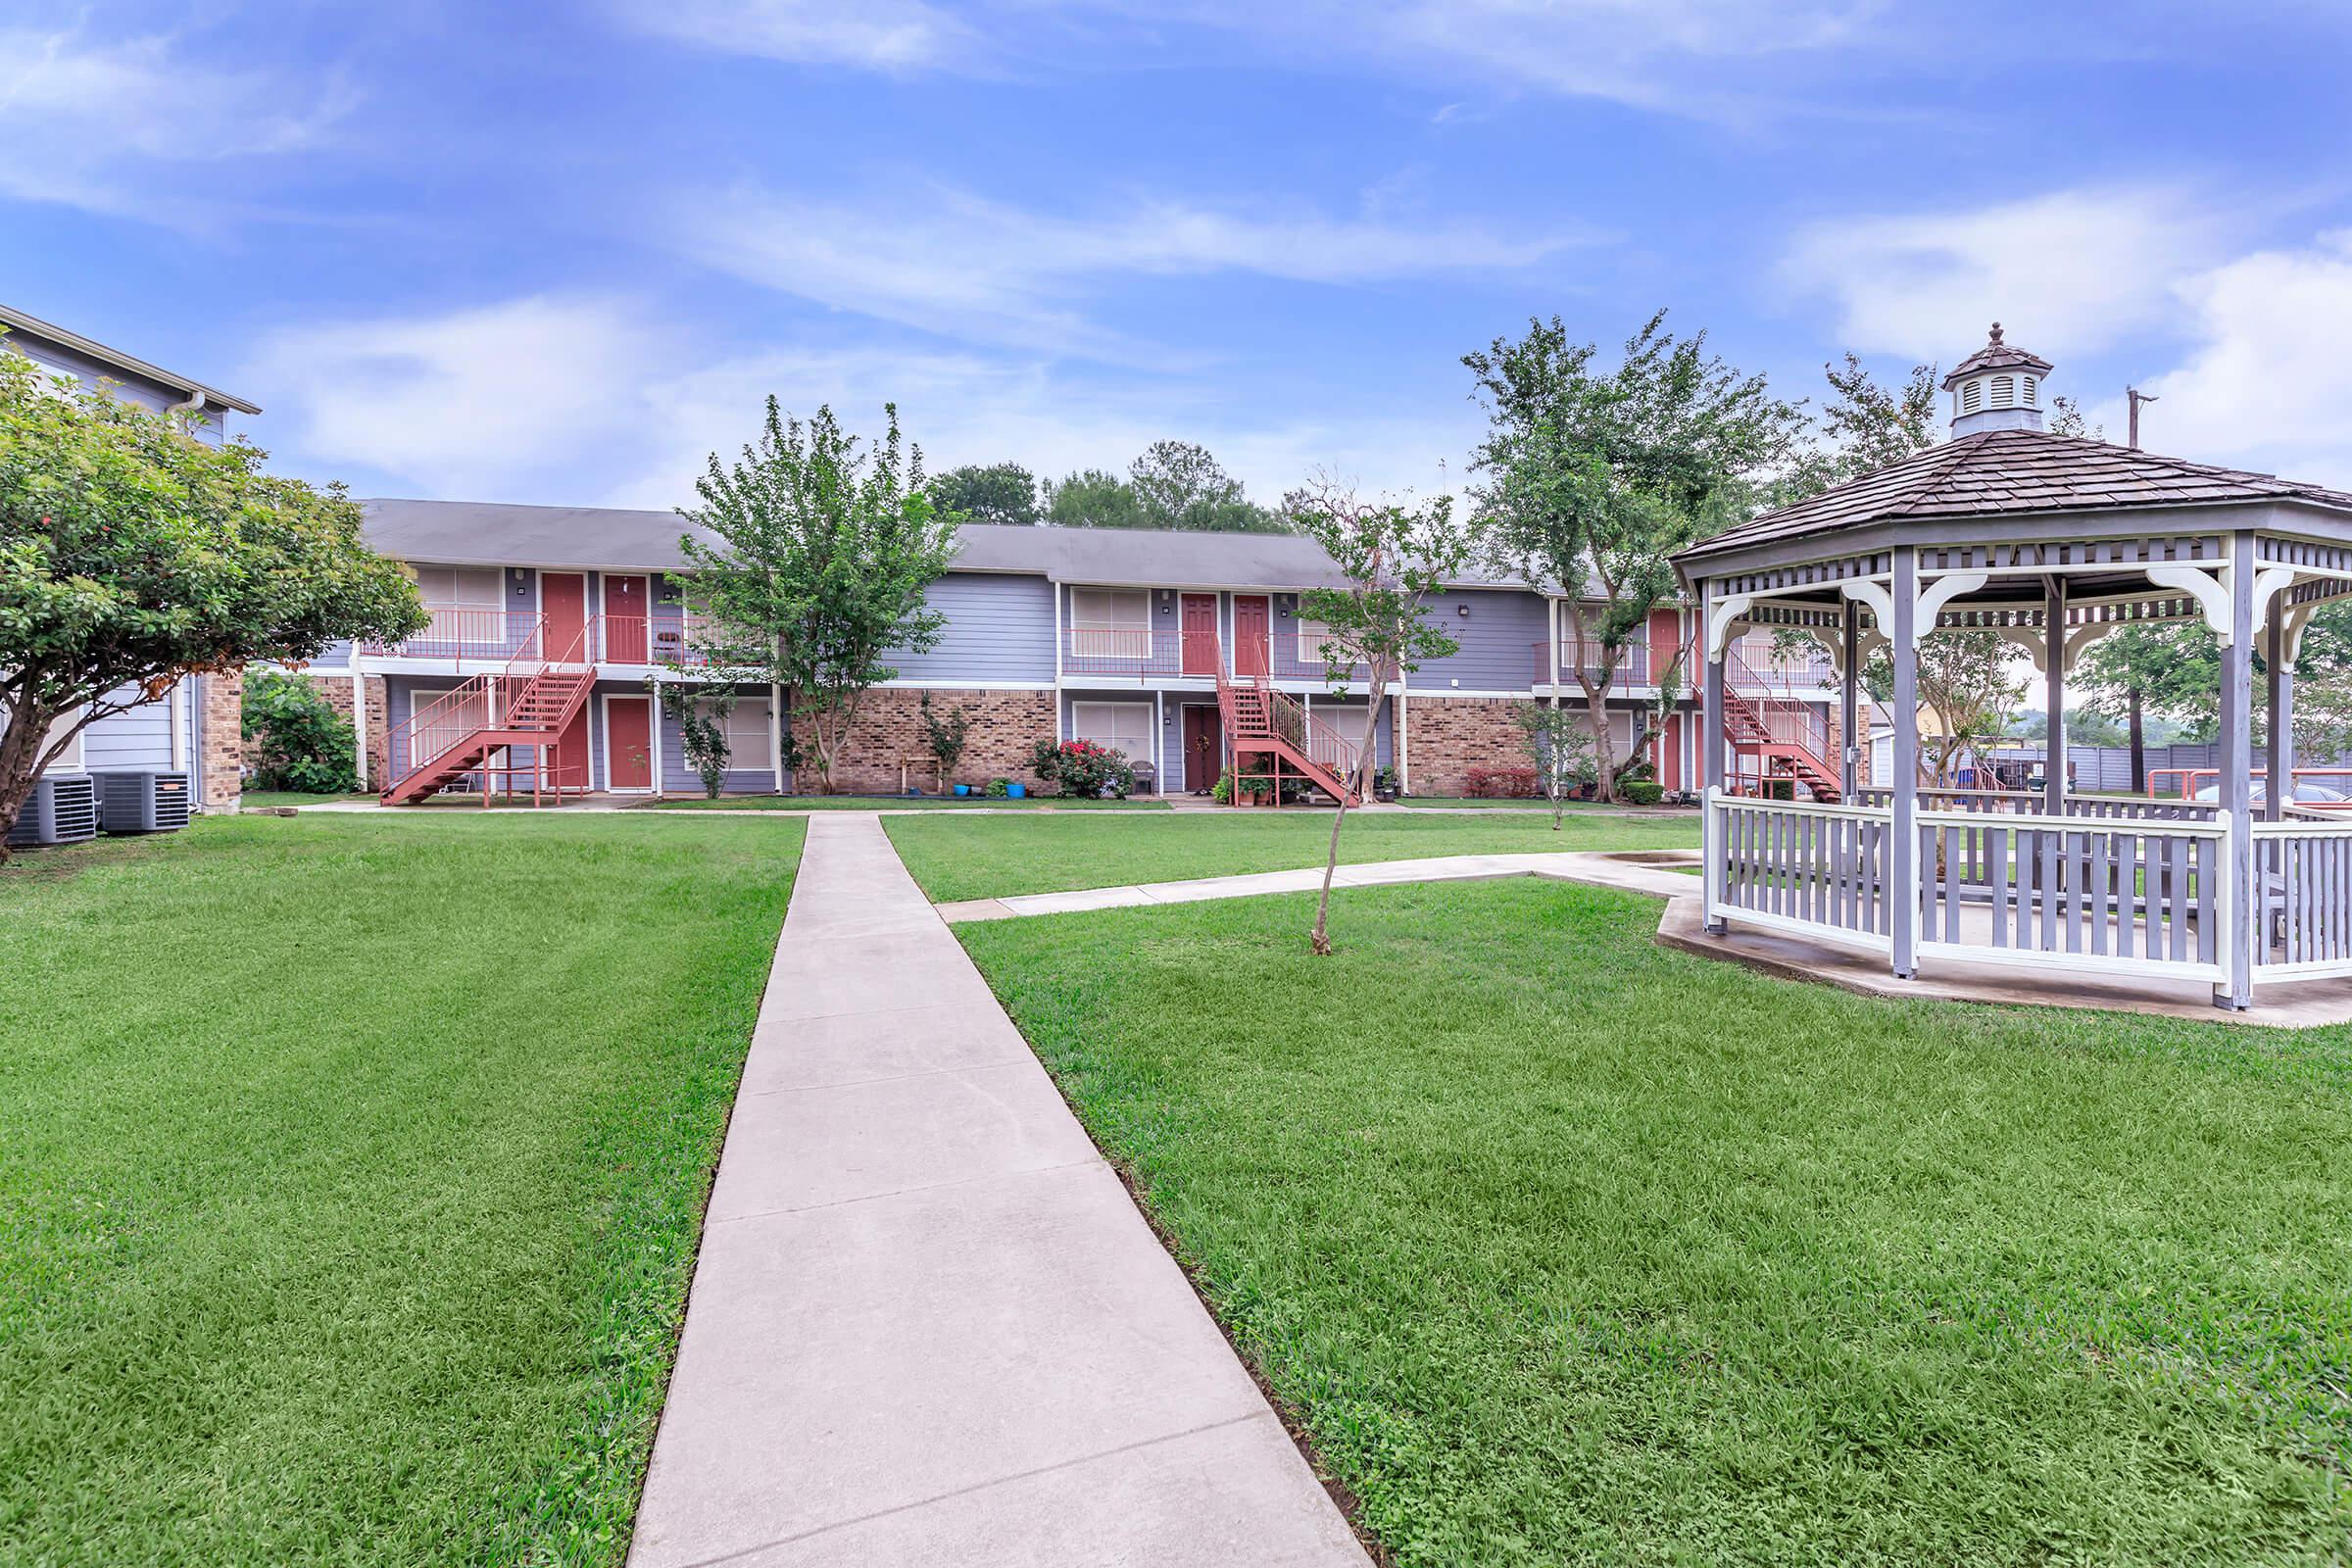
(479, 703)
(1137, 653)
(460, 632)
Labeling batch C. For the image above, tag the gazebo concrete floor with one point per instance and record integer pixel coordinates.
(2291, 1003)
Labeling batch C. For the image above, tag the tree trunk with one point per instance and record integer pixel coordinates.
(1597, 708)
(1322, 939)
(2139, 748)
(19, 766)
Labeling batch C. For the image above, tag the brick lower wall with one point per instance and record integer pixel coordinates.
(374, 766)
(221, 762)
(1445, 737)
(1005, 728)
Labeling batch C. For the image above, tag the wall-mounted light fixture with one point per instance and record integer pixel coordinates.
(1462, 609)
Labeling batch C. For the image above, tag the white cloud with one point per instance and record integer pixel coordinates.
(889, 35)
(480, 404)
(115, 126)
(2269, 382)
(953, 262)
(583, 401)
(2066, 273)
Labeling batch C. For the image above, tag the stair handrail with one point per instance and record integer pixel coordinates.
(464, 711)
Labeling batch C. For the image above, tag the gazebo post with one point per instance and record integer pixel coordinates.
(1710, 760)
(1848, 709)
(2236, 901)
(1904, 867)
(2053, 621)
(2279, 755)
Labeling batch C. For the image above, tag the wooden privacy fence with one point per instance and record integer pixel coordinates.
(2124, 893)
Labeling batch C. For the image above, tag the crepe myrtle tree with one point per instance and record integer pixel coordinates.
(133, 555)
(813, 561)
(1591, 478)
(701, 714)
(1391, 557)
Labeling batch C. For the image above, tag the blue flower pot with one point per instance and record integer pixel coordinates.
(963, 789)
(1018, 791)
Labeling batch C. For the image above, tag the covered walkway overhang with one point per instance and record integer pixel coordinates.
(2050, 542)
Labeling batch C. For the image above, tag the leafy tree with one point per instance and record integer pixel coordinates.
(817, 564)
(1862, 426)
(1592, 479)
(1178, 485)
(2087, 727)
(294, 737)
(1093, 498)
(1174, 484)
(1392, 558)
(2135, 672)
(947, 734)
(1002, 493)
(701, 714)
(133, 555)
(1967, 679)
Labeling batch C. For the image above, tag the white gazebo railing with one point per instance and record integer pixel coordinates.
(1995, 881)
(2303, 893)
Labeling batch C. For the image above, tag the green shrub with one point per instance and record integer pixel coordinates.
(1222, 791)
(996, 789)
(1641, 792)
(1083, 770)
(296, 739)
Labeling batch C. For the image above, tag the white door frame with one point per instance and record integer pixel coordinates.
(606, 750)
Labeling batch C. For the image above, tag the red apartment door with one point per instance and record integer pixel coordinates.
(1204, 746)
(1198, 618)
(564, 605)
(1252, 632)
(628, 743)
(624, 619)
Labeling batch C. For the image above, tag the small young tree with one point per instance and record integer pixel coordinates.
(2134, 672)
(1556, 741)
(815, 563)
(133, 555)
(701, 714)
(1391, 557)
(946, 734)
(1969, 681)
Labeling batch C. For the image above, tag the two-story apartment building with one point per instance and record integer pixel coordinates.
(195, 728)
(1111, 635)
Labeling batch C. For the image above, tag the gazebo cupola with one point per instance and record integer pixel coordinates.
(1996, 388)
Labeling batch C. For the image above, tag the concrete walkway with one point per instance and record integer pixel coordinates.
(928, 1325)
(1640, 871)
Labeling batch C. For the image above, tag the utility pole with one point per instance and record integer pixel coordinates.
(2137, 397)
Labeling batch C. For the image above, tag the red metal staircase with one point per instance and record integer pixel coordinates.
(1263, 722)
(530, 703)
(1786, 739)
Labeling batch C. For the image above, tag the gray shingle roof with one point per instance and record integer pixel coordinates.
(1996, 472)
(465, 533)
(1996, 355)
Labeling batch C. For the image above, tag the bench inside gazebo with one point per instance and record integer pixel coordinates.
(2050, 541)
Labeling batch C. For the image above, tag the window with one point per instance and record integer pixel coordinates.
(1124, 727)
(1313, 634)
(467, 604)
(746, 735)
(1111, 623)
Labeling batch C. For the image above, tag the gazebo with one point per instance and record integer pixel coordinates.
(2050, 541)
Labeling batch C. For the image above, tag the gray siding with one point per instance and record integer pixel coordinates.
(128, 386)
(1498, 639)
(139, 738)
(998, 628)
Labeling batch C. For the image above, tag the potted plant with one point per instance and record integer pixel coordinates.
(1384, 784)
(997, 789)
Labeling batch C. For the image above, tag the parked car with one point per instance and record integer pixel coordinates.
(2307, 793)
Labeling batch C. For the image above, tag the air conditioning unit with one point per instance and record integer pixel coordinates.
(63, 809)
(142, 801)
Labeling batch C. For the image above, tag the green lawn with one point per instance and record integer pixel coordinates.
(1564, 1248)
(988, 857)
(260, 798)
(898, 802)
(1491, 803)
(351, 1174)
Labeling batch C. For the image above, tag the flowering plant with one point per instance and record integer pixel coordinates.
(1083, 769)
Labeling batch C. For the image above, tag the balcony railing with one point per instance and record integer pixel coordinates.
(1136, 653)
(486, 632)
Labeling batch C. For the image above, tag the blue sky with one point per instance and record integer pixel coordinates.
(562, 257)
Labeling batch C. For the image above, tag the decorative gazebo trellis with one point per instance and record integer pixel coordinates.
(2050, 541)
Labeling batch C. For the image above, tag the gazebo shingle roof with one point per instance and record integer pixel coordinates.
(1996, 472)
